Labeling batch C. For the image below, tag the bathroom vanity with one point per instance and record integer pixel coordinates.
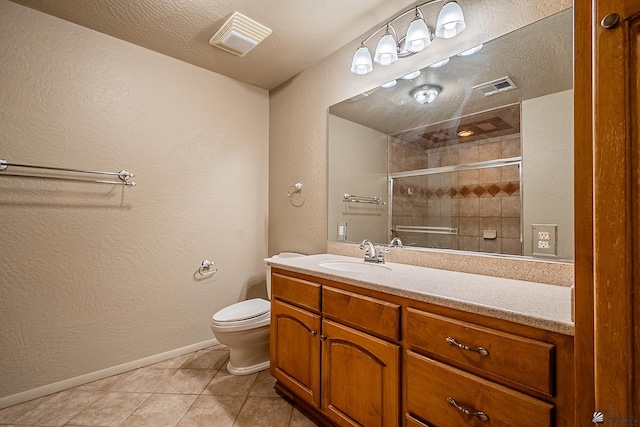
(394, 344)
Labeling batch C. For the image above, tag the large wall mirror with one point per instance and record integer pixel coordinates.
(487, 166)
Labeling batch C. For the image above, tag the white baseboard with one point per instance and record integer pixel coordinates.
(34, 393)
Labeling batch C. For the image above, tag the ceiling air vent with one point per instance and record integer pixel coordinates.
(495, 86)
(239, 35)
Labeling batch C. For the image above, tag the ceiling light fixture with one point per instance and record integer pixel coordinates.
(418, 37)
(387, 85)
(425, 94)
(465, 133)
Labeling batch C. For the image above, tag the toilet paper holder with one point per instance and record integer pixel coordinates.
(205, 269)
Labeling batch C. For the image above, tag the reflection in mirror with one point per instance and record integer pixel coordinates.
(487, 166)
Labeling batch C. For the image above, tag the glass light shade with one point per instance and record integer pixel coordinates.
(439, 64)
(471, 51)
(450, 21)
(411, 76)
(425, 94)
(418, 36)
(387, 85)
(387, 50)
(361, 63)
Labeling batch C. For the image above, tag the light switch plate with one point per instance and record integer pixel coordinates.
(342, 230)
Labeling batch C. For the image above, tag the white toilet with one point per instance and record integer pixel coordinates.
(244, 327)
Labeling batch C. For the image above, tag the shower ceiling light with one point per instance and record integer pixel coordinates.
(425, 94)
(418, 37)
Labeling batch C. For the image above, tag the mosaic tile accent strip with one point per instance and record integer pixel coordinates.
(498, 189)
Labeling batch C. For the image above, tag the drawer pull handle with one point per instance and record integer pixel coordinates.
(477, 414)
(480, 350)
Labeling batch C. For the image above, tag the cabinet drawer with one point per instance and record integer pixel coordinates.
(433, 389)
(515, 359)
(370, 314)
(412, 422)
(296, 291)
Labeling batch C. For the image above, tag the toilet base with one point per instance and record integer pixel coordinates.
(247, 369)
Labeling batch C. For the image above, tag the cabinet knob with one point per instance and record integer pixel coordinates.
(480, 350)
(478, 414)
(313, 333)
(323, 337)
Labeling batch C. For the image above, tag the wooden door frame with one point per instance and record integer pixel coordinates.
(606, 219)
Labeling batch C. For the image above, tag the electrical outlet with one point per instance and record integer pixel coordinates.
(545, 239)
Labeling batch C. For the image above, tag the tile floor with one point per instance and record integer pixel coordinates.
(194, 390)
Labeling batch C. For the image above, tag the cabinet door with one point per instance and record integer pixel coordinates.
(295, 350)
(360, 378)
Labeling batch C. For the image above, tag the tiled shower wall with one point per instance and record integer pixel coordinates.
(471, 201)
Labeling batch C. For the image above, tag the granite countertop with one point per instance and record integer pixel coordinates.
(539, 305)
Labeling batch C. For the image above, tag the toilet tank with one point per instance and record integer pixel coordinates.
(280, 255)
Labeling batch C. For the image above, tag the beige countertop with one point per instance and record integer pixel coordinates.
(540, 305)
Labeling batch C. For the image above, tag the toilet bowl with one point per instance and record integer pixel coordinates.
(244, 328)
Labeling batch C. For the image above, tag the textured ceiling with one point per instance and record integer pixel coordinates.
(304, 31)
(538, 58)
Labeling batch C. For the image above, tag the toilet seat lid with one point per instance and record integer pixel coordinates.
(243, 310)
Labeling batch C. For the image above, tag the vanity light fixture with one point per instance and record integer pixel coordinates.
(411, 76)
(425, 94)
(471, 51)
(387, 85)
(439, 64)
(418, 37)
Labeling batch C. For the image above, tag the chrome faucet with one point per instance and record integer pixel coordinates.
(370, 254)
(396, 242)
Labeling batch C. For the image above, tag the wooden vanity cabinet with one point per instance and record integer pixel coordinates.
(295, 336)
(357, 357)
(350, 374)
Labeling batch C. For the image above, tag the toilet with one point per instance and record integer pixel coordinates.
(244, 328)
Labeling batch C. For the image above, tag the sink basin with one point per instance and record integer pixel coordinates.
(355, 266)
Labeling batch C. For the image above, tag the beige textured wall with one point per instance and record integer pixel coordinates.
(358, 158)
(298, 116)
(92, 276)
(547, 167)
